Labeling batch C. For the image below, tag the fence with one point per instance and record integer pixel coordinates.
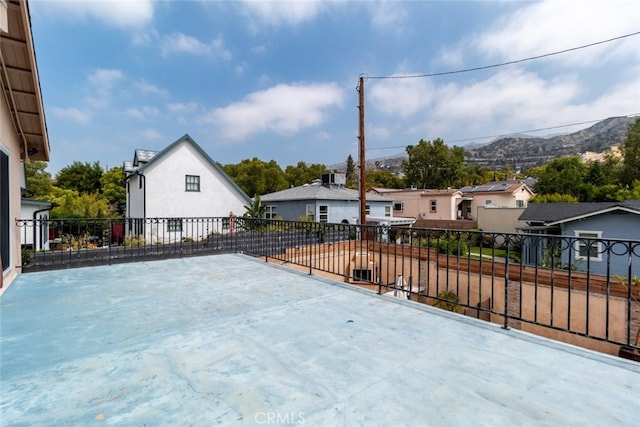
(584, 291)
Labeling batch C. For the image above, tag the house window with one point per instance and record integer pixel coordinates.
(324, 213)
(487, 202)
(433, 205)
(311, 212)
(586, 247)
(519, 203)
(225, 223)
(174, 224)
(367, 209)
(398, 206)
(271, 212)
(192, 183)
(387, 210)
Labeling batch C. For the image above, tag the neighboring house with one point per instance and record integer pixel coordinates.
(589, 223)
(181, 181)
(425, 204)
(325, 200)
(504, 194)
(23, 129)
(35, 232)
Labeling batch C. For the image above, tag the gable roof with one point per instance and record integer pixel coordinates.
(558, 213)
(317, 191)
(143, 159)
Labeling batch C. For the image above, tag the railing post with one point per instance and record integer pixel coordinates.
(506, 290)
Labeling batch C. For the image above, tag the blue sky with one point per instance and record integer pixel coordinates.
(277, 80)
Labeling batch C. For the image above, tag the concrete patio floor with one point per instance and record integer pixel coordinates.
(231, 340)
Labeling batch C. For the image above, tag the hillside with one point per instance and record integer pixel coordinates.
(524, 151)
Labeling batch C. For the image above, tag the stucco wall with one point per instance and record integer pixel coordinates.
(499, 220)
(10, 145)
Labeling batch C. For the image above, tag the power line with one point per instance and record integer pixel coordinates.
(505, 134)
(415, 76)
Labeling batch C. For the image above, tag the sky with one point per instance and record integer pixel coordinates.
(278, 80)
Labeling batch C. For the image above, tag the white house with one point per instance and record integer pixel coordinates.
(34, 233)
(179, 182)
(23, 129)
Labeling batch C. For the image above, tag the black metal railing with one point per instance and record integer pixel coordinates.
(583, 290)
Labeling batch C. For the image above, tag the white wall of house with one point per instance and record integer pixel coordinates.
(503, 199)
(160, 191)
(34, 233)
(165, 187)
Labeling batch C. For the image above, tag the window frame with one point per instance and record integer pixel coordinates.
(323, 216)
(433, 205)
(580, 245)
(174, 225)
(271, 211)
(193, 185)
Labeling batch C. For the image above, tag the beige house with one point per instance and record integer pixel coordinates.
(449, 204)
(502, 194)
(23, 129)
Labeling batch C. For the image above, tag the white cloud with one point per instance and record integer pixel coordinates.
(182, 107)
(401, 97)
(102, 85)
(277, 13)
(73, 114)
(387, 15)
(143, 112)
(550, 26)
(151, 135)
(177, 43)
(119, 13)
(149, 88)
(284, 109)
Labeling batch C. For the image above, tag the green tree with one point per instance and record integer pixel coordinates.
(39, 183)
(351, 176)
(113, 187)
(255, 176)
(385, 179)
(71, 204)
(553, 198)
(256, 209)
(564, 175)
(303, 173)
(433, 165)
(82, 177)
(630, 149)
(475, 175)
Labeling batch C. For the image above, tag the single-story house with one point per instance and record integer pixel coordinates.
(586, 229)
(179, 182)
(324, 200)
(23, 128)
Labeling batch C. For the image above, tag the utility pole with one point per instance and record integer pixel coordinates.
(363, 181)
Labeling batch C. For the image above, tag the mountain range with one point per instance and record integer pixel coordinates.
(523, 151)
